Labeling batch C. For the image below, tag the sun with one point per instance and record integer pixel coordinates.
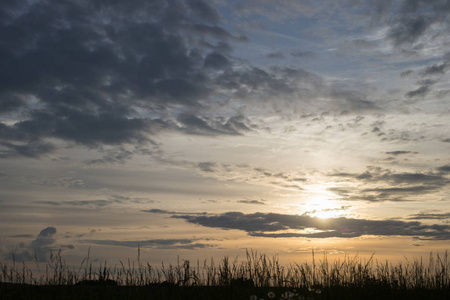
(328, 213)
(323, 206)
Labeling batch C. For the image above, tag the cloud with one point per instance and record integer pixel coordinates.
(207, 166)
(32, 149)
(352, 100)
(193, 124)
(81, 71)
(201, 126)
(408, 28)
(9, 103)
(406, 73)
(246, 173)
(190, 244)
(204, 11)
(97, 203)
(49, 231)
(217, 61)
(96, 75)
(303, 54)
(38, 249)
(22, 236)
(377, 184)
(276, 54)
(165, 212)
(415, 18)
(435, 69)
(429, 216)
(283, 225)
(81, 203)
(375, 174)
(361, 43)
(292, 87)
(256, 202)
(397, 153)
(112, 156)
(444, 169)
(419, 92)
(159, 211)
(216, 32)
(403, 190)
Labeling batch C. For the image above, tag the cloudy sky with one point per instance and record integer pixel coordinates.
(201, 128)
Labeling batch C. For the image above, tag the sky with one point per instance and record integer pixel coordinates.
(200, 129)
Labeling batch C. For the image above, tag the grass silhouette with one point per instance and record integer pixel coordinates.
(257, 277)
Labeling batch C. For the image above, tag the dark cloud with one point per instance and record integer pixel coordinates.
(105, 73)
(275, 55)
(416, 23)
(282, 225)
(216, 32)
(221, 46)
(302, 54)
(419, 92)
(190, 244)
(32, 149)
(196, 125)
(435, 69)
(9, 103)
(112, 156)
(444, 169)
(406, 73)
(163, 211)
(363, 44)
(353, 100)
(419, 189)
(396, 153)
(388, 185)
(47, 232)
(81, 203)
(207, 166)
(22, 236)
(204, 11)
(352, 194)
(256, 202)
(217, 61)
(192, 124)
(429, 216)
(414, 20)
(408, 28)
(292, 87)
(97, 203)
(38, 249)
(81, 70)
(159, 211)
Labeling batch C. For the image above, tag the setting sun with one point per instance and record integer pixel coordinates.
(328, 213)
(322, 203)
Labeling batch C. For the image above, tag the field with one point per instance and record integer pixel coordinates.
(257, 277)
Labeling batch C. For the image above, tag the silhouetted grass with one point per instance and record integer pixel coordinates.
(257, 277)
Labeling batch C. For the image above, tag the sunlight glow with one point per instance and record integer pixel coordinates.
(321, 204)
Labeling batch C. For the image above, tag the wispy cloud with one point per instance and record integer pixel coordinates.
(377, 184)
(429, 216)
(189, 244)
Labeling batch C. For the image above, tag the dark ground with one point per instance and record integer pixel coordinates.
(29, 292)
